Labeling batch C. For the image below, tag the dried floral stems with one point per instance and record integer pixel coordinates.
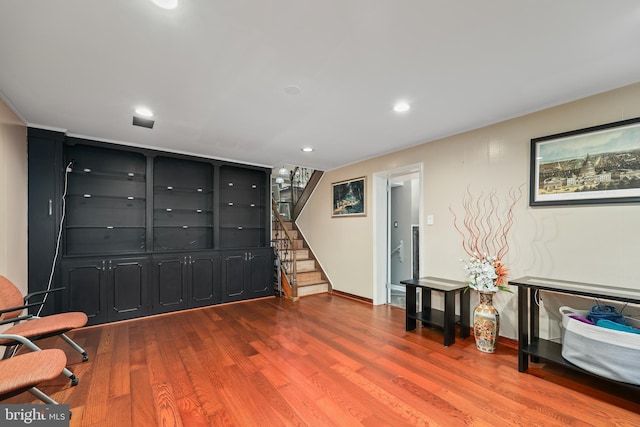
(485, 226)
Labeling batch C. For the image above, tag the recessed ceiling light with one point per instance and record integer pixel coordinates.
(307, 149)
(401, 107)
(144, 112)
(292, 90)
(166, 4)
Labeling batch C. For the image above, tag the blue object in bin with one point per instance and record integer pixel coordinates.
(604, 323)
(606, 312)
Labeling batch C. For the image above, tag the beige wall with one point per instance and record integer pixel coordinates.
(13, 197)
(596, 243)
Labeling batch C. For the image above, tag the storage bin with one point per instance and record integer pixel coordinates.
(605, 352)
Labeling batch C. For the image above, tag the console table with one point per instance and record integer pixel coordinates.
(529, 341)
(429, 316)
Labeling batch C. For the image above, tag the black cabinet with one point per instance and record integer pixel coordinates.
(106, 289)
(247, 274)
(185, 281)
(127, 210)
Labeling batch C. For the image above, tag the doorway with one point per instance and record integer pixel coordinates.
(397, 231)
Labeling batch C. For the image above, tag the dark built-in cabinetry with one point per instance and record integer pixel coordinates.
(144, 232)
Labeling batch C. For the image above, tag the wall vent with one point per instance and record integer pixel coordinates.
(145, 123)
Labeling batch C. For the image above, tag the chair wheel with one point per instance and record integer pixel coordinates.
(85, 357)
(74, 381)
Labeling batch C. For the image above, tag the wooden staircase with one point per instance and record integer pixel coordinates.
(310, 279)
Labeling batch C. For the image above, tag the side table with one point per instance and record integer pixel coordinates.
(429, 316)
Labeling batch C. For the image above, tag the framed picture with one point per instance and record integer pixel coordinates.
(600, 164)
(348, 198)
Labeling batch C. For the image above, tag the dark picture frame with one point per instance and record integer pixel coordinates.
(599, 164)
(348, 198)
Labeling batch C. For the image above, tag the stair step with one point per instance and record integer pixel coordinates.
(307, 277)
(305, 265)
(302, 254)
(320, 287)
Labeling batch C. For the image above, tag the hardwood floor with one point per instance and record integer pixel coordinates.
(324, 360)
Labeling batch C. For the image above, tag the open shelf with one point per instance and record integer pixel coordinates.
(183, 204)
(104, 240)
(106, 201)
(242, 208)
(434, 317)
(184, 237)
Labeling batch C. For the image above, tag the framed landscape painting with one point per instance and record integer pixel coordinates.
(600, 164)
(348, 198)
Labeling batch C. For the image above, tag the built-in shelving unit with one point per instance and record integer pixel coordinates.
(145, 231)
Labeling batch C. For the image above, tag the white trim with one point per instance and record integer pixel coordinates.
(380, 216)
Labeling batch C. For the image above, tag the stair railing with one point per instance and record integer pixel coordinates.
(285, 250)
(299, 178)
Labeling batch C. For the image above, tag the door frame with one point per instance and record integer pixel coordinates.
(380, 201)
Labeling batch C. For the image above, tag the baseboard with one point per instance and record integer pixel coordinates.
(353, 297)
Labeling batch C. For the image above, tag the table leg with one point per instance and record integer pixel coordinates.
(449, 318)
(426, 305)
(465, 313)
(523, 328)
(410, 309)
(534, 320)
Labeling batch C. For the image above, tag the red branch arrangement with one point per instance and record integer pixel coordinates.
(485, 226)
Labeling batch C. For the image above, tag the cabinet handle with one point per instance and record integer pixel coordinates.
(50, 207)
(240, 228)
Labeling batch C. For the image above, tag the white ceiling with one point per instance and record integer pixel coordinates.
(215, 71)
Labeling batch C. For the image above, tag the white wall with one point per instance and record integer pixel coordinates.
(13, 197)
(595, 243)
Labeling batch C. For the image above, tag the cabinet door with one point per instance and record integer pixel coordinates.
(260, 273)
(45, 176)
(86, 288)
(127, 288)
(204, 279)
(169, 283)
(233, 276)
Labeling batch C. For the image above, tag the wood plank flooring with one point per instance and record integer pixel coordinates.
(325, 360)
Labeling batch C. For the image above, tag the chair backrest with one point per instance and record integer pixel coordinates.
(10, 296)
